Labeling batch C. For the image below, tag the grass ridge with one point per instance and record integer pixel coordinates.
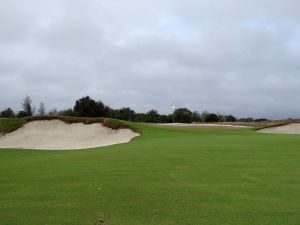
(10, 125)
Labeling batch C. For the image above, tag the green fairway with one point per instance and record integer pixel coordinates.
(167, 176)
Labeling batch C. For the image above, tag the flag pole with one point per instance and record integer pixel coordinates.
(173, 108)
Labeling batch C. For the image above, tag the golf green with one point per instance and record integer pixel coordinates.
(167, 176)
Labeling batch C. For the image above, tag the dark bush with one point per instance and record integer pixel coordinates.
(246, 119)
(183, 115)
(152, 116)
(230, 118)
(166, 118)
(126, 114)
(66, 112)
(196, 117)
(22, 114)
(87, 107)
(7, 113)
(140, 117)
(261, 120)
(211, 118)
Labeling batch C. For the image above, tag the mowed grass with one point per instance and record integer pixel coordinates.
(168, 176)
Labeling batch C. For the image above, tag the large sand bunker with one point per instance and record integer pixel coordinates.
(58, 135)
(293, 128)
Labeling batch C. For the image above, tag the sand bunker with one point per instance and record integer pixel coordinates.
(57, 135)
(293, 128)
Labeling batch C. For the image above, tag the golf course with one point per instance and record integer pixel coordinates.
(169, 175)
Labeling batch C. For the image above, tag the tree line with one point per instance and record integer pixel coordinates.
(88, 107)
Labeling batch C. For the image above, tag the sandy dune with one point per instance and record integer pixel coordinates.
(57, 135)
(293, 128)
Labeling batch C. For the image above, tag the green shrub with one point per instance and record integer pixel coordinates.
(7, 113)
(211, 118)
(183, 115)
(87, 107)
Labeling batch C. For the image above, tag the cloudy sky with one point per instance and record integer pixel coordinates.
(227, 56)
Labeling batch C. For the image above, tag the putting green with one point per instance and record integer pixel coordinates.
(167, 176)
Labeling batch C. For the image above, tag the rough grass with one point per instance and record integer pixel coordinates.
(9, 125)
(167, 176)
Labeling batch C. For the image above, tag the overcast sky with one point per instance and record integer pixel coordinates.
(227, 56)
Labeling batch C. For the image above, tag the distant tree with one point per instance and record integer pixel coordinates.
(196, 117)
(42, 109)
(183, 115)
(7, 113)
(22, 114)
(126, 114)
(140, 117)
(222, 118)
(106, 111)
(166, 118)
(212, 117)
(230, 118)
(114, 113)
(246, 119)
(261, 120)
(27, 106)
(204, 115)
(87, 107)
(53, 112)
(152, 116)
(66, 112)
(101, 109)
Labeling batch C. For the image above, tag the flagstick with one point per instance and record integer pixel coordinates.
(173, 107)
(173, 117)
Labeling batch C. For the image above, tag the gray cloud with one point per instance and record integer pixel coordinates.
(239, 57)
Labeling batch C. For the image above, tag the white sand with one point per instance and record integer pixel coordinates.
(293, 128)
(57, 135)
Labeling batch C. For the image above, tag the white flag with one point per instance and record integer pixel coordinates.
(172, 106)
